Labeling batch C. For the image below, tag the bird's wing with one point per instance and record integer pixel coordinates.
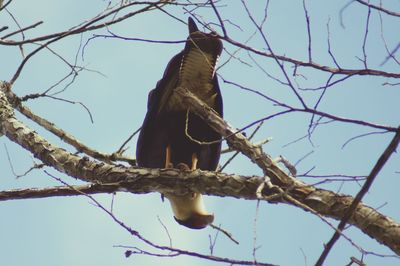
(150, 150)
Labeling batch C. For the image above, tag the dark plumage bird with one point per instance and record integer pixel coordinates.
(171, 135)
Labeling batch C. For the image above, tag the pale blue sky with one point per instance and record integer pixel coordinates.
(71, 231)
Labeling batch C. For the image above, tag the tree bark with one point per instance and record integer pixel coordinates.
(141, 180)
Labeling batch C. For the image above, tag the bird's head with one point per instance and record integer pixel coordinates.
(206, 42)
(189, 210)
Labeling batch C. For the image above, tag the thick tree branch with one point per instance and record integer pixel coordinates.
(278, 177)
(38, 193)
(140, 180)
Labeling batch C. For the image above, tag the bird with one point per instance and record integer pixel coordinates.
(172, 136)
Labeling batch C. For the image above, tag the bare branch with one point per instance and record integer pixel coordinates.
(269, 48)
(121, 149)
(364, 60)
(3, 28)
(255, 231)
(379, 8)
(221, 22)
(308, 31)
(113, 35)
(21, 30)
(329, 45)
(226, 233)
(59, 191)
(343, 71)
(342, 11)
(90, 24)
(236, 153)
(138, 180)
(351, 209)
(346, 120)
(275, 185)
(35, 166)
(68, 138)
(175, 251)
(4, 5)
(310, 111)
(391, 54)
(87, 26)
(361, 136)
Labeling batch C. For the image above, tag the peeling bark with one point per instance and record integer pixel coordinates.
(141, 180)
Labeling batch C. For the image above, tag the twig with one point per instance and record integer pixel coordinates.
(213, 241)
(324, 68)
(236, 153)
(371, 177)
(66, 137)
(361, 136)
(120, 150)
(379, 8)
(58, 191)
(221, 22)
(291, 109)
(329, 44)
(176, 251)
(308, 31)
(3, 28)
(260, 30)
(35, 166)
(256, 216)
(229, 235)
(342, 11)
(21, 30)
(166, 230)
(365, 39)
(116, 36)
(88, 26)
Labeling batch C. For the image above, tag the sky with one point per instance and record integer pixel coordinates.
(114, 87)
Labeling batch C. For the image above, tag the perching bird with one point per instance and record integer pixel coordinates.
(174, 137)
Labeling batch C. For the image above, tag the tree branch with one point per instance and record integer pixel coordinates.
(141, 180)
(379, 8)
(342, 71)
(58, 191)
(377, 168)
(64, 136)
(90, 25)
